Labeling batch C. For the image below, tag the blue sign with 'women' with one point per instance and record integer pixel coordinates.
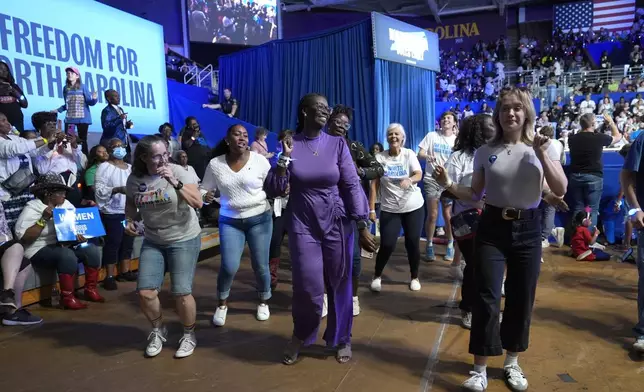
(80, 221)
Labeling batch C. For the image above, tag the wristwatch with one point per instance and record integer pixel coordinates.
(362, 224)
(178, 186)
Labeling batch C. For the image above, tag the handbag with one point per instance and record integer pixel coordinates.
(465, 224)
(19, 181)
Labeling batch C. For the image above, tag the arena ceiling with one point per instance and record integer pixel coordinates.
(435, 8)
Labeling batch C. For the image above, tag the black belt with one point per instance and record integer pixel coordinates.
(510, 214)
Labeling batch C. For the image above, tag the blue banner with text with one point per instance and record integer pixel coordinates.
(80, 221)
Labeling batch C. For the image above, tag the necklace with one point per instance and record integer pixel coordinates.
(508, 149)
(315, 152)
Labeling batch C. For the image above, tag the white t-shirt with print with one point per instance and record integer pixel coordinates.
(393, 198)
(439, 147)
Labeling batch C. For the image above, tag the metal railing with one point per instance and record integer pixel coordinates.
(201, 77)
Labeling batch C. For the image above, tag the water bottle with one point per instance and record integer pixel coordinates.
(15, 131)
(55, 297)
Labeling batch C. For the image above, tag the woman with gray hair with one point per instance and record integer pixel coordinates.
(401, 204)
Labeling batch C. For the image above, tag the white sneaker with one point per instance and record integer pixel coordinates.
(456, 272)
(558, 233)
(545, 243)
(542, 260)
(440, 232)
(219, 318)
(514, 378)
(187, 345)
(155, 342)
(414, 285)
(466, 319)
(476, 383)
(325, 306)
(356, 306)
(639, 344)
(503, 288)
(263, 313)
(376, 285)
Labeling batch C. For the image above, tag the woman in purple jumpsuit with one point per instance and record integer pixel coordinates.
(325, 196)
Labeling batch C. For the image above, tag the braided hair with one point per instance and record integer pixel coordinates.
(307, 101)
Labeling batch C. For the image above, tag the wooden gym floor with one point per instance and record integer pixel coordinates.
(402, 341)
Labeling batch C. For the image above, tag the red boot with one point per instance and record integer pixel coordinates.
(91, 281)
(68, 300)
(274, 265)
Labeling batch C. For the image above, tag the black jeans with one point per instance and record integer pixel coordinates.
(468, 286)
(118, 245)
(517, 245)
(279, 230)
(390, 224)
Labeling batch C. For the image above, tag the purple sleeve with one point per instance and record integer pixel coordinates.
(353, 196)
(275, 185)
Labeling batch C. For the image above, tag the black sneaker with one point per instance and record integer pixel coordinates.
(8, 298)
(21, 317)
(129, 276)
(109, 284)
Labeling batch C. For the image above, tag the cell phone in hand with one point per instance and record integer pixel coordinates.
(70, 129)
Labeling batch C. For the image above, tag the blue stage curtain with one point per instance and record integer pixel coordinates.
(404, 94)
(269, 80)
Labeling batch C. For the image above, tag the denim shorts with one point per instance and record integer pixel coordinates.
(179, 258)
(434, 191)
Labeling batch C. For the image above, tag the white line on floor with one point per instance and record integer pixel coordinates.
(427, 381)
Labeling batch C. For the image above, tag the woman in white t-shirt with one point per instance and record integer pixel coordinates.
(401, 204)
(435, 149)
(510, 171)
(245, 216)
(111, 178)
(474, 132)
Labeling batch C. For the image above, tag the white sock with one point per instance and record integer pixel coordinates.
(430, 242)
(481, 369)
(511, 360)
(450, 243)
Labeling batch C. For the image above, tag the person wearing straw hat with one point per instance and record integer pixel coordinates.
(35, 229)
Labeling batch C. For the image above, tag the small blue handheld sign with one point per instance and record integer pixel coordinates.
(80, 221)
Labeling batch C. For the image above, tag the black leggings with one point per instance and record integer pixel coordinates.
(390, 224)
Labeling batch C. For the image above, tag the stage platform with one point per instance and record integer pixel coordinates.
(402, 341)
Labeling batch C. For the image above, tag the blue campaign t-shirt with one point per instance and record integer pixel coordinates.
(635, 163)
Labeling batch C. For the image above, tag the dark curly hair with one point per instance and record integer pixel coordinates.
(341, 109)
(39, 119)
(470, 135)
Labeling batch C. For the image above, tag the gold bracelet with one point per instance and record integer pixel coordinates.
(45, 140)
(41, 222)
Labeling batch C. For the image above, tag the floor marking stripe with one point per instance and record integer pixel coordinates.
(427, 381)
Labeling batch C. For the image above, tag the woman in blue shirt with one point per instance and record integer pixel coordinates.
(78, 99)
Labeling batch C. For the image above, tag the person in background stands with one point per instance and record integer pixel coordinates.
(166, 130)
(111, 178)
(199, 154)
(78, 99)
(259, 145)
(279, 228)
(115, 123)
(16, 155)
(401, 202)
(97, 155)
(165, 198)
(510, 172)
(435, 149)
(368, 168)
(548, 217)
(632, 183)
(245, 216)
(12, 99)
(229, 105)
(14, 271)
(325, 196)
(35, 229)
(586, 171)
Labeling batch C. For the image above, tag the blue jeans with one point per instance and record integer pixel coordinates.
(585, 190)
(233, 234)
(639, 327)
(181, 260)
(547, 219)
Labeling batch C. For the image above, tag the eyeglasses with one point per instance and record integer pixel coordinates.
(342, 124)
(160, 158)
(322, 107)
